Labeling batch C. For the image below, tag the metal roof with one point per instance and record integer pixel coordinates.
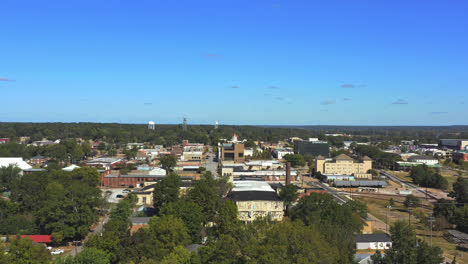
(359, 183)
(366, 238)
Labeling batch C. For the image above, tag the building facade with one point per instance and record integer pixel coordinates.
(233, 152)
(311, 148)
(256, 199)
(343, 165)
(424, 160)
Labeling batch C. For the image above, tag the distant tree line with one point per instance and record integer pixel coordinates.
(115, 133)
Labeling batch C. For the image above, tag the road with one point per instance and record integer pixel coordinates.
(342, 198)
(338, 196)
(412, 186)
(210, 164)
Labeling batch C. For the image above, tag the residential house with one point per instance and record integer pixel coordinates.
(38, 160)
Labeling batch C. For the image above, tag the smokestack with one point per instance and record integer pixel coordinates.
(288, 173)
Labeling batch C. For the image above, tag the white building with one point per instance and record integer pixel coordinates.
(424, 160)
(248, 152)
(279, 153)
(157, 171)
(71, 167)
(19, 162)
(373, 242)
(255, 199)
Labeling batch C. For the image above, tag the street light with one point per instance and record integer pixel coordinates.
(389, 207)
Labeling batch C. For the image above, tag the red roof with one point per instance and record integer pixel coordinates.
(39, 238)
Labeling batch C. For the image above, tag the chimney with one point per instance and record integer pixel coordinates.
(288, 173)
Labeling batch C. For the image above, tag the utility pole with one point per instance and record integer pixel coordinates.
(386, 226)
(431, 220)
(410, 210)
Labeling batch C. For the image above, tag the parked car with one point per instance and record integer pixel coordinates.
(57, 251)
(126, 191)
(119, 196)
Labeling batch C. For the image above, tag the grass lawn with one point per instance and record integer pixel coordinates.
(377, 207)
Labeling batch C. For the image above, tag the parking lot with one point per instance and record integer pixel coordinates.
(112, 194)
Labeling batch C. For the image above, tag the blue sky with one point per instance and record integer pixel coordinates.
(236, 62)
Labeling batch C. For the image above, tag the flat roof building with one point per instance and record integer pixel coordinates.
(342, 165)
(255, 199)
(312, 148)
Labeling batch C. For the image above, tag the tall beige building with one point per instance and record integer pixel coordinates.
(343, 165)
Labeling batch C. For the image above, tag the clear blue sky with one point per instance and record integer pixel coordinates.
(238, 62)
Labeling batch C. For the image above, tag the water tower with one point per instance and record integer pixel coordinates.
(151, 125)
(216, 125)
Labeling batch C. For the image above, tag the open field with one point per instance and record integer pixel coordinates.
(377, 207)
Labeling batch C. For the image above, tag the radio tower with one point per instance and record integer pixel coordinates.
(185, 124)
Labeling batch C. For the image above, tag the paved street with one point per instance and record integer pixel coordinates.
(210, 164)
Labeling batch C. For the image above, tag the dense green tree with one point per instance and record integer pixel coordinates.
(166, 190)
(8, 177)
(289, 195)
(293, 242)
(180, 255)
(428, 177)
(445, 208)
(250, 144)
(205, 193)
(297, 160)
(87, 256)
(411, 201)
(460, 190)
(168, 162)
(339, 223)
(226, 220)
(461, 218)
(407, 249)
(190, 213)
(381, 159)
(24, 251)
(168, 232)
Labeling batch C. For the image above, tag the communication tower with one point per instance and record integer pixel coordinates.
(185, 124)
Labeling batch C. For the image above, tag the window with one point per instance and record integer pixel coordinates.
(144, 200)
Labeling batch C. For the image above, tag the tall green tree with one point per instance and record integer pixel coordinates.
(168, 162)
(460, 190)
(166, 190)
(407, 249)
(190, 213)
(289, 195)
(24, 251)
(297, 160)
(168, 232)
(8, 177)
(411, 201)
(205, 193)
(226, 219)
